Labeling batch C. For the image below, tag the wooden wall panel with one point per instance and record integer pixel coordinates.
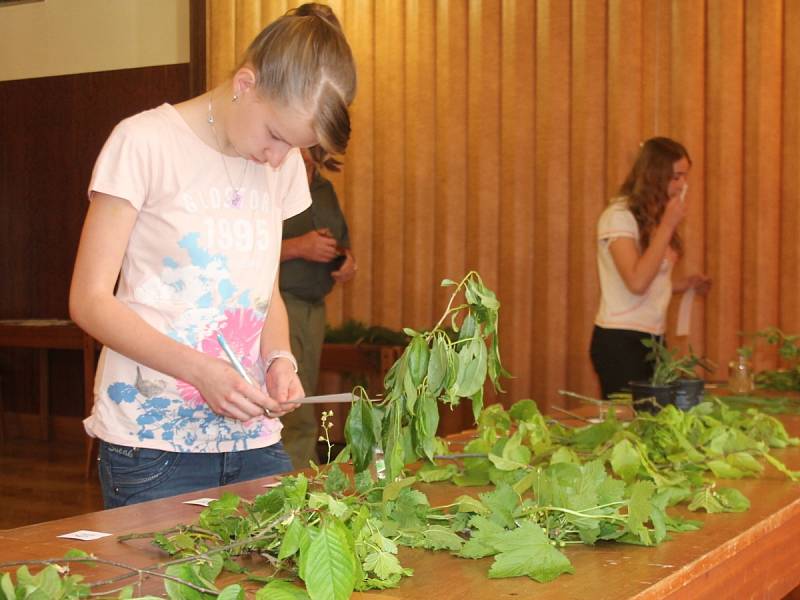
(763, 64)
(492, 134)
(624, 87)
(790, 190)
(551, 242)
(686, 90)
(724, 177)
(515, 284)
(657, 30)
(587, 172)
(420, 165)
(390, 119)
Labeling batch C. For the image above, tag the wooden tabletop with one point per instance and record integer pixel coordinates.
(734, 555)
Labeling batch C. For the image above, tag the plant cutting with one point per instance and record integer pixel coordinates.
(674, 379)
(787, 377)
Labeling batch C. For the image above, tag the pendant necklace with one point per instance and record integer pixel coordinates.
(236, 197)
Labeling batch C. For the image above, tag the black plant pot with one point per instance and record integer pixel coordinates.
(688, 393)
(651, 398)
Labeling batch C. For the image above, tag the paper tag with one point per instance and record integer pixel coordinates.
(685, 313)
(84, 534)
(200, 501)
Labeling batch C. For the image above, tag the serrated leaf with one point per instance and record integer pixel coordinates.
(501, 502)
(383, 564)
(332, 575)
(437, 537)
(639, 509)
(527, 551)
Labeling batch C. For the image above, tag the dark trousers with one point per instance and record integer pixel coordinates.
(618, 357)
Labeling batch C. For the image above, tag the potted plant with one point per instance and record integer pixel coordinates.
(674, 380)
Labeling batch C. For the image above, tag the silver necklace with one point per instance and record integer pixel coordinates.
(236, 195)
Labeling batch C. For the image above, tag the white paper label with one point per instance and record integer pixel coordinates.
(685, 313)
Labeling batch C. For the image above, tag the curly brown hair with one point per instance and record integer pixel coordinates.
(647, 183)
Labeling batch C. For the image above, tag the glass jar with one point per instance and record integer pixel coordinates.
(740, 377)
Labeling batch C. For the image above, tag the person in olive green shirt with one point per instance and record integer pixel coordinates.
(315, 254)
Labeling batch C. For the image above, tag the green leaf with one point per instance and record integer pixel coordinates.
(501, 502)
(468, 504)
(188, 573)
(437, 366)
(527, 551)
(426, 422)
(383, 564)
(331, 575)
(479, 544)
(359, 433)
(733, 500)
(337, 481)
(291, 539)
(7, 587)
(232, 592)
(625, 460)
(433, 473)
(524, 410)
(724, 470)
(392, 491)
(281, 590)
(418, 358)
(437, 537)
(639, 510)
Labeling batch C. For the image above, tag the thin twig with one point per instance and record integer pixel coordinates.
(572, 414)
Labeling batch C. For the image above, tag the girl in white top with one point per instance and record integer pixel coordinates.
(186, 207)
(637, 246)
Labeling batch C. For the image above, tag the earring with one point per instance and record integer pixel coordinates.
(236, 97)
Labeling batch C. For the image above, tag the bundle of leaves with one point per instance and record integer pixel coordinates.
(433, 368)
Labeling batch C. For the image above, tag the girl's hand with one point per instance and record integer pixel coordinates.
(283, 386)
(701, 283)
(229, 395)
(675, 212)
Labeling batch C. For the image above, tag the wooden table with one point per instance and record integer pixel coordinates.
(45, 335)
(755, 554)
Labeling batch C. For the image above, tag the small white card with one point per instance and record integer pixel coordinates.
(84, 534)
(200, 501)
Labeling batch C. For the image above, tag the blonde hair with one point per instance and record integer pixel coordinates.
(303, 57)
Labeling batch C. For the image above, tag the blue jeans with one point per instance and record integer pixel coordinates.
(131, 475)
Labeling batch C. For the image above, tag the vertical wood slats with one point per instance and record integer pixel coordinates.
(491, 134)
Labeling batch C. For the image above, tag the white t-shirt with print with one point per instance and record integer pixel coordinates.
(619, 307)
(197, 263)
